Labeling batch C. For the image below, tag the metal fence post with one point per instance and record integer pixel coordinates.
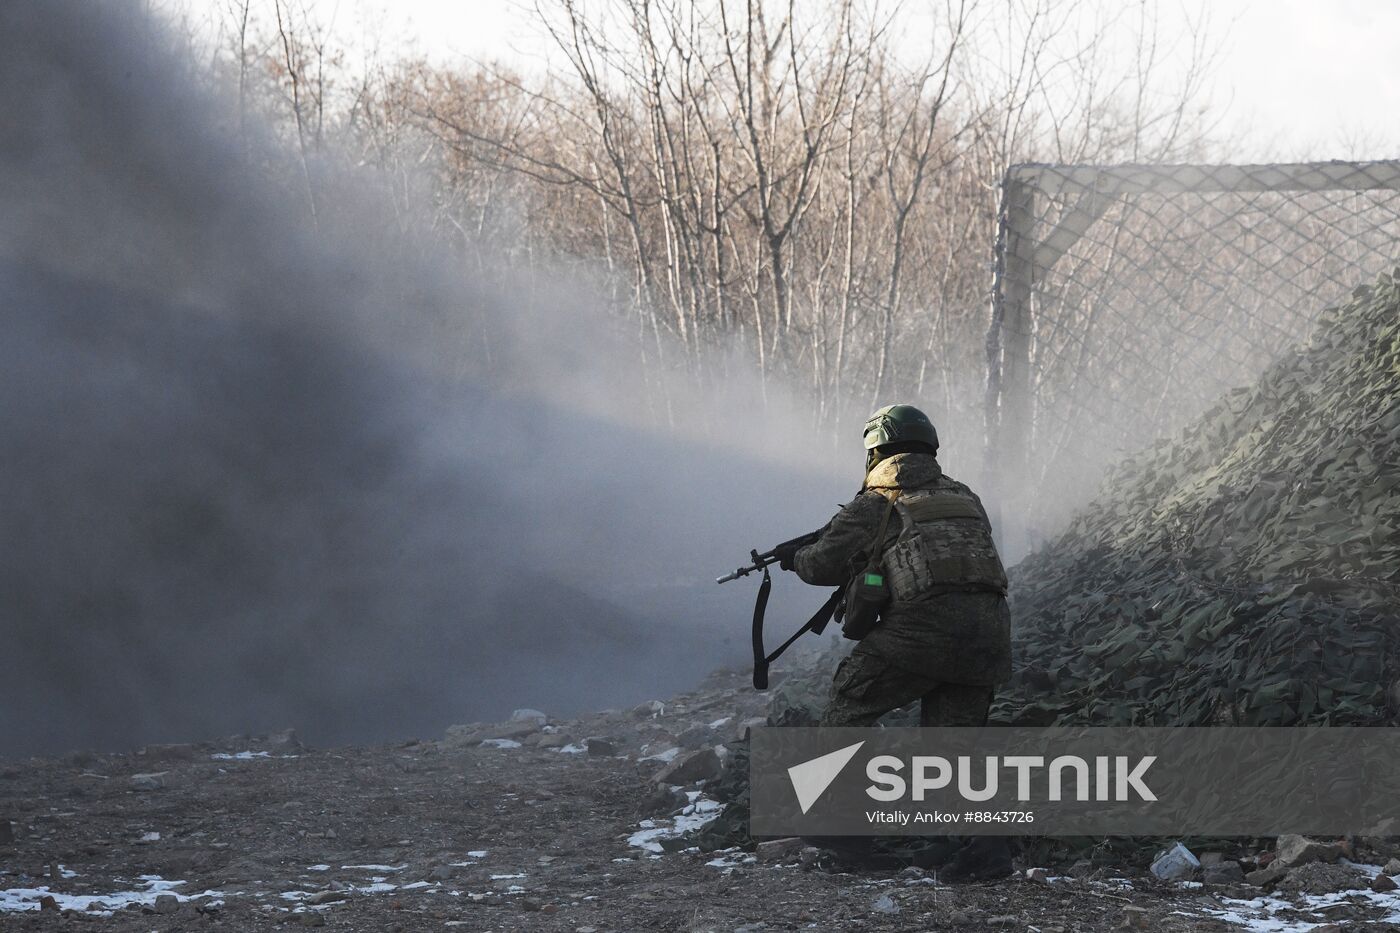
(1010, 416)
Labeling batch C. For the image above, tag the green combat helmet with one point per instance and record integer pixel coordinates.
(895, 424)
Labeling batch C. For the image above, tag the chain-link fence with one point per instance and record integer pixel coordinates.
(1127, 298)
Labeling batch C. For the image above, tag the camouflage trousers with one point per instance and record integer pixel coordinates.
(867, 686)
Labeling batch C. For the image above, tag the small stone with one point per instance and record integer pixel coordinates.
(1135, 918)
(550, 739)
(1175, 864)
(1223, 873)
(1003, 920)
(1267, 876)
(327, 897)
(884, 904)
(311, 918)
(148, 782)
(1392, 867)
(47, 902)
(664, 799)
(166, 904)
(599, 747)
(809, 856)
(698, 736)
(649, 710)
(529, 715)
(1382, 883)
(1038, 874)
(778, 850)
(1211, 858)
(701, 765)
(442, 873)
(1082, 869)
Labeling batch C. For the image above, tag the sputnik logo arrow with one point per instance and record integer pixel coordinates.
(811, 778)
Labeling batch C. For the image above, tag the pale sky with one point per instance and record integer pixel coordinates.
(1314, 78)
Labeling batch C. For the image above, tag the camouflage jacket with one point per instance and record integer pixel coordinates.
(956, 633)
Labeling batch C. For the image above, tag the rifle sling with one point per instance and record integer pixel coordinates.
(815, 624)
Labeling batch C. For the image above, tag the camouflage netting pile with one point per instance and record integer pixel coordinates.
(1245, 571)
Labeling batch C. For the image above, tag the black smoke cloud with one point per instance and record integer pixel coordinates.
(246, 481)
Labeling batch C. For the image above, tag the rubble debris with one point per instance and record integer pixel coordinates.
(1323, 878)
(1177, 863)
(884, 904)
(1223, 872)
(1261, 544)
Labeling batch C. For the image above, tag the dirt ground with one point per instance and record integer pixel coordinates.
(260, 834)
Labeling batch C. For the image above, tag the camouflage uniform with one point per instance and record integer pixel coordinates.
(944, 639)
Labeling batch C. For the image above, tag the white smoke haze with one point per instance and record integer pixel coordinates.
(255, 473)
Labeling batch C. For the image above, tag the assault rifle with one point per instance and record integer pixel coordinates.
(816, 625)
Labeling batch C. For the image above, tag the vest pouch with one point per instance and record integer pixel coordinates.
(866, 597)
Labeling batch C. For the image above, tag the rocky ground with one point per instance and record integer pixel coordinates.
(532, 825)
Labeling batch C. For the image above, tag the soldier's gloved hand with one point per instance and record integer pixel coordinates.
(786, 554)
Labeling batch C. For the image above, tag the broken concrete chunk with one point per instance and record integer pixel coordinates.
(1219, 872)
(1294, 850)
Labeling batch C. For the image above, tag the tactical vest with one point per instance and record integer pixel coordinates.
(946, 543)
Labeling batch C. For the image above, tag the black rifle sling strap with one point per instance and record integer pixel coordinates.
(816, 625)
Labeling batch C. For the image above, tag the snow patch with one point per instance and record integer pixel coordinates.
(699, 812)
(25, 899)
(500, 743)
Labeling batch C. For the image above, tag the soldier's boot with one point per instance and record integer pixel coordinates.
(984, 858)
